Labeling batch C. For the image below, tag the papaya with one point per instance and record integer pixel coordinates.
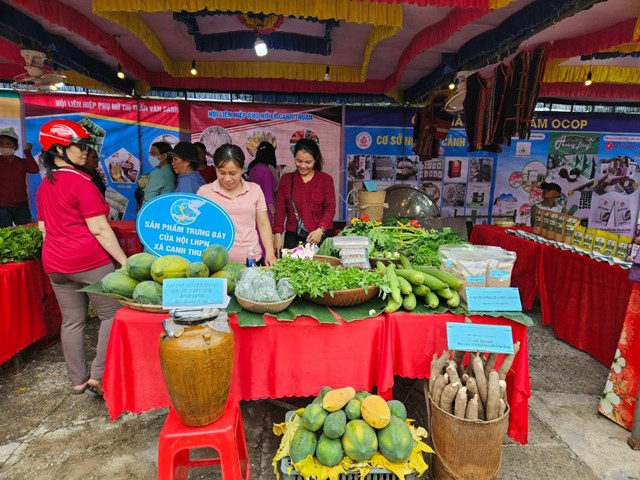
(170, 266)
(334, 424)
(139, 265)
(120, 283)
(359, 441)
(321, 395)
(303, 444)
(338, 398)
(148, 293)
(362, 394)
(197, 270)
(313, 417)
(397, 409)
(395, 441)
(352, 409)
(329, 451)
(215, 257)
(231, 277)
(236, 267)
(375, 411)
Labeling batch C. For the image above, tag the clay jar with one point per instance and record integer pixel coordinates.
(196, 364)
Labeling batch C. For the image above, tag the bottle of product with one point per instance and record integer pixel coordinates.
(252, 260)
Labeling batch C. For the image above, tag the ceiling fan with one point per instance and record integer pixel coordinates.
(37, 77)
(455, 102)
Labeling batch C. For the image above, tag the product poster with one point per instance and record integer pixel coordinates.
(246, 126)
(122, 131)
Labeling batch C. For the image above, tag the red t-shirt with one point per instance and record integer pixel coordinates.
(69, 246)
(13, 179)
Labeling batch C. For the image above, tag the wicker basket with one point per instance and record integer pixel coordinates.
(465, 449)
(326, 259)
(271, 307)
(345, 298)
(143, 307)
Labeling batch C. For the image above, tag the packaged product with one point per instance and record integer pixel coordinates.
(551, 226)
(611, 242)
(499, 270)
(537, 221)
(546, 217)
(632, 251)
(589, 237)
(561, 222)
(578, 235)
(569, 228)
(624, 243)
(599, 241)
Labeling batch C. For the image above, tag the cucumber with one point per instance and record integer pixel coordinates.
(420, 290)
(414, 277)
(392, 305)
(431, 300)
(446, 277)
(409, 302)
(432, 282)
(382, 268)
(394, 284)
(454, 301)
(405, 286)
(404, 261)
(445, 293)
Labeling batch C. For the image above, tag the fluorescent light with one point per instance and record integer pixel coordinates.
(261, 47)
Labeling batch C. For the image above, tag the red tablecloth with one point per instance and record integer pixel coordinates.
(525, 271)
(298, 358)
(414, 338)
(127, 236)
(618, 401)
(585, 301)
(22, 292)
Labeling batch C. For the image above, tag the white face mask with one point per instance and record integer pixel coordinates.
(7, 151)
(154, 161)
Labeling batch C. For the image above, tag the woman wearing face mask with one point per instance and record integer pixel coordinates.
(306, 201)
(78, 248)
(244, 202)
(162, 179)
(14, 202)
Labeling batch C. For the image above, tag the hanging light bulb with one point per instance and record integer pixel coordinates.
(194, 70)
(326, 73)
(120, 73)
(261, 47)
(452, 85)
(589, 79)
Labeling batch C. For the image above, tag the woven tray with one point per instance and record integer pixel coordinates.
(272, 307)
(326, 259)
(345, 298)
(143, 307)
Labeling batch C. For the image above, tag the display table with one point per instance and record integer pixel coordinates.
(583, 300)
(525, 271)
(298, 358)
(127, 236)
(23, 287)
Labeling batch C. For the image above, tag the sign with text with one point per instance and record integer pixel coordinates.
(493, 299)
(183, 224)
(470, 337)
(194, 292)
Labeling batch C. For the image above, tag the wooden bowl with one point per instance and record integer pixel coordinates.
(143, 307)
(345, 298)
(258, 307)
(326, 259)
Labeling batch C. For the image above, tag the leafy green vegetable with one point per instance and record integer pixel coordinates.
(319, 278)
(21, 243)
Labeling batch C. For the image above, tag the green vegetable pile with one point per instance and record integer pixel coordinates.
(21, 243)
(318, 278)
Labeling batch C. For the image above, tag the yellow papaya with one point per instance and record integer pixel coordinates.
(338, 398)
(375, 411)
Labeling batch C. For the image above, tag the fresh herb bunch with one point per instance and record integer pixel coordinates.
(21, 243)
(319, 278)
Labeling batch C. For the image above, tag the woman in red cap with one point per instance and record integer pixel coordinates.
(78, 248)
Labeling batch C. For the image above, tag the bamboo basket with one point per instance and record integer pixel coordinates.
(257, 307)
(345, 298)
(465, 449)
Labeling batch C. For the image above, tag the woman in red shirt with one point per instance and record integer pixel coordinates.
(306, 202)
(78, 247)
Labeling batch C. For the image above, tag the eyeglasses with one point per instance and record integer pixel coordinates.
(81, 146)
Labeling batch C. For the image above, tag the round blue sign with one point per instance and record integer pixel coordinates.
(183, 224)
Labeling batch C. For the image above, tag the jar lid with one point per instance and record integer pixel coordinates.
(194, 316)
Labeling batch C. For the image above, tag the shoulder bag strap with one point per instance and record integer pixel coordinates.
(293, 203)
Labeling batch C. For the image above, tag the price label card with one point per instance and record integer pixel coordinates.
(194, 292)
(472, 337)
(493, 299)
(370, 186)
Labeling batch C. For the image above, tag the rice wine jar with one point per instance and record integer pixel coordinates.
(196, 355)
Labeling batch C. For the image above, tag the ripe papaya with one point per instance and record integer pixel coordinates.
(313, 417)
(170, 266)
(397, 409)
(303, 444)
(329, 451)
(395, 440)
(338, 398)
(120, 283)
(148, 293)
(215, 257)
(359, 441)
(139, 265)
(375, 411)
(334, 424)
(197, 270)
